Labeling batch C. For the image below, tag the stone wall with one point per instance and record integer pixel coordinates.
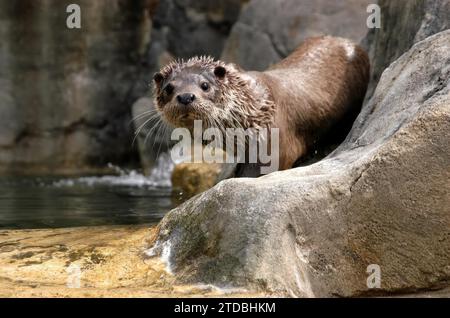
(66, 94)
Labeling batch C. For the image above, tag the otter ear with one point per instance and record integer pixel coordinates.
(158, 78)
(220, 71)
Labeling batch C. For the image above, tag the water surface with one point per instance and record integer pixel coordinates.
(51, 202)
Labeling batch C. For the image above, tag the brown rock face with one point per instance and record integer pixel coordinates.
(194, 178)
(382, 198)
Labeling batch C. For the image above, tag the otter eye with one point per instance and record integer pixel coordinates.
(169, 89)
(204, 86)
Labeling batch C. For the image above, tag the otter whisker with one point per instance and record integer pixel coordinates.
(150, 132)
(144, 114)
(157, 132)
(137, 132)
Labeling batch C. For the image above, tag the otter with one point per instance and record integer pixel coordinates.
(305, 95)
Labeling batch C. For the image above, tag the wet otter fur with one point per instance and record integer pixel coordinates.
(305, 95)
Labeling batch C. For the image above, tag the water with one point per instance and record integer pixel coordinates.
(50, 202)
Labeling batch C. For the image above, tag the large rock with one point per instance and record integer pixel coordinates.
(194, 178)
(66, 94)
(268, 30)
(382, 198)
(403, 23)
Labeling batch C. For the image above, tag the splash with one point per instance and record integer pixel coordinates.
(163, 250)
(159, 176)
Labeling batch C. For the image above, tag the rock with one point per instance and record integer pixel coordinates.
(269, 30)
(152, 134)
(66, 94)
(190, 177)
(403, 23)
(194, 178)
(382, 197)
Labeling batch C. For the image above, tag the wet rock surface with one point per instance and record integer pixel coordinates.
(109, 259)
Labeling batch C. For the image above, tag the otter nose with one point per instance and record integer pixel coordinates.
(186, 99)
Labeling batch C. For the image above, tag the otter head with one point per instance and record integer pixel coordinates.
(191, 90)
(219, 94)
